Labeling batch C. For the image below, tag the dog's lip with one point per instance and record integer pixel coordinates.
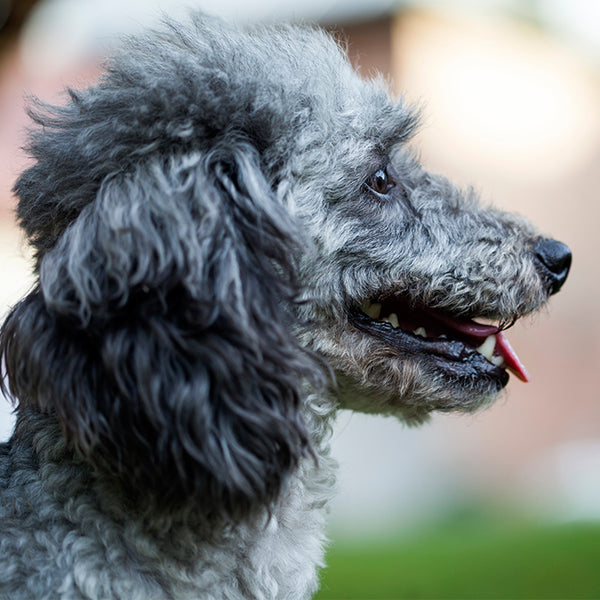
(449, 339)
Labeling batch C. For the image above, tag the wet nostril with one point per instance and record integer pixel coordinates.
(554, 259)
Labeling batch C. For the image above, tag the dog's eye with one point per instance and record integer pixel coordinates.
(380, 182)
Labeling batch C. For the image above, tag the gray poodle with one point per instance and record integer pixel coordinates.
(232, 240)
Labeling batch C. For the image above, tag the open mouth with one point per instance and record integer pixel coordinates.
(460, 347)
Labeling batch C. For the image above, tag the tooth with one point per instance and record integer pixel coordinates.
(497, 360)
(487, 348)
(420, 331)
(375, 310)
(485, 321)
(393, 320)
(372, 310)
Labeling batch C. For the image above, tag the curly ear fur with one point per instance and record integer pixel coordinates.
(160, 333)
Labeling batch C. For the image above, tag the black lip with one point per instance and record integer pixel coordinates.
(453, 357)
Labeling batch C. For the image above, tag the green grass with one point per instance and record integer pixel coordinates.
(469, 560)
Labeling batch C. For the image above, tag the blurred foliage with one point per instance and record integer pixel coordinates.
(469, 557)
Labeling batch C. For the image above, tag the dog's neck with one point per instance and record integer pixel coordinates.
(65, 475)
(175, 553)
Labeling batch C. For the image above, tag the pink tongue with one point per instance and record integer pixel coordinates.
(511, 360)
(467, 327)
(503, 348)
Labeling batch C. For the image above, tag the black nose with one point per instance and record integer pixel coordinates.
(554, 262)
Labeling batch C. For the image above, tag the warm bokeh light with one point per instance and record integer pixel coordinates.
(505, 98)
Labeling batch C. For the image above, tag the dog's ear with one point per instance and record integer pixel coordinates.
(160, 333)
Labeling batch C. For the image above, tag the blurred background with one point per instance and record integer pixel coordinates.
(503, 504)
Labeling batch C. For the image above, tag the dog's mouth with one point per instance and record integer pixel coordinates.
(461, 347)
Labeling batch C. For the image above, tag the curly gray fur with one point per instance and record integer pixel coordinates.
(204, 232)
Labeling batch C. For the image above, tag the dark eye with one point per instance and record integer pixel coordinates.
(380, 182)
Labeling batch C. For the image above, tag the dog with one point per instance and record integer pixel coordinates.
(232, 239)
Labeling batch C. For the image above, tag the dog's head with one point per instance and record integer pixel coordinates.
(219, 207)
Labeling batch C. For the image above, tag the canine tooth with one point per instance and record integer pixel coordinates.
(487, 348)
(485, 321)
(372, 310)
(393, 320)
(420, 331)
(497, 360)
(375, 310)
